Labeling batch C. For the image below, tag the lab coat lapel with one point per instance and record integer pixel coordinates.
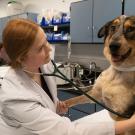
(52, 87)
(51, 83)
(45, 98)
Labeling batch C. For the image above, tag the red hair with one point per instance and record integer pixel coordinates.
(18, 37)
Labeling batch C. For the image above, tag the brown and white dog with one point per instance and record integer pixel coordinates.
(115, 87)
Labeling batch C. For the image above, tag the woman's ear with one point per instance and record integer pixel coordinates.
(20, 59)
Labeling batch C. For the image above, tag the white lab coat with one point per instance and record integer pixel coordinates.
(25, 109)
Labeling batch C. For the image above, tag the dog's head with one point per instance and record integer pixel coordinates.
(119, 40)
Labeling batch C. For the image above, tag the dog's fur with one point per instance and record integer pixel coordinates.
(115, 87)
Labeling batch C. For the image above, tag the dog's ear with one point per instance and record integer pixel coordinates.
(103, 31)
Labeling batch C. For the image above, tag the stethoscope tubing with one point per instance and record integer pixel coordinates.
(62, 76)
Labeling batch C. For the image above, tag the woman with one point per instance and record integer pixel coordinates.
(28, 101)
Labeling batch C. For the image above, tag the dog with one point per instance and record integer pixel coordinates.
(115, 86)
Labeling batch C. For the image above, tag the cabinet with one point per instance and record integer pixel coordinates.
(88, 16)
(129, 7)
(104, 11)
(81, 21)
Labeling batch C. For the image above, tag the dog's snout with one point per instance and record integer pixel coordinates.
(114, 47)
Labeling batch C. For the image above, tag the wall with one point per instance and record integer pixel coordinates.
(3, 9)
(37, 6)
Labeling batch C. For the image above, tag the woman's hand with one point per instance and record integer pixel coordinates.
(61, 107)
(125, 125)
(132, 122)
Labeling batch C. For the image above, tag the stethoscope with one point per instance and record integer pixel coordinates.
(57, 73)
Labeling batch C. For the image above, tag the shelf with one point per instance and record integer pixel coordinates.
(58, 25)
(58, 41)
(57, 28)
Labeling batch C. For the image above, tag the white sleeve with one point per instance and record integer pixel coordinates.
(42, 121)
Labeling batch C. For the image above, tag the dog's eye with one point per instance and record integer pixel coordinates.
(130, 29)
(113, 28)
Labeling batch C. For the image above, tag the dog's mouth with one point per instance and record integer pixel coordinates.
(119, 58)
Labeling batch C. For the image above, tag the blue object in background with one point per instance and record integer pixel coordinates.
(65, 18)
(57, 37)
(45, 22)
(49, 36)
(56, 20)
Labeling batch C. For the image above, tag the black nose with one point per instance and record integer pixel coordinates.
(114, 47)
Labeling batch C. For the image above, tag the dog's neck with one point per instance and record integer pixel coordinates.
(124, 69)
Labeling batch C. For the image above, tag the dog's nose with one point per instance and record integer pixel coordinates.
(114, 47)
